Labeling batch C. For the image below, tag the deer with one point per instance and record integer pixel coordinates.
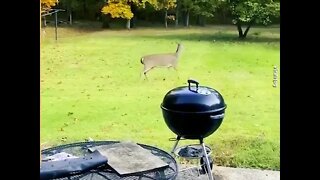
(161, 60)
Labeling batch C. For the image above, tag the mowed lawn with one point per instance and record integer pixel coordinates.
(91, 88)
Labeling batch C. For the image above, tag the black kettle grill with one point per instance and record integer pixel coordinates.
(194, 112)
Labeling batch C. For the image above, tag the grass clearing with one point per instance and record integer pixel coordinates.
(91, 87)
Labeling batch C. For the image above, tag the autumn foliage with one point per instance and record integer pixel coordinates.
(122, 8)
(117, 10)
(47, 4)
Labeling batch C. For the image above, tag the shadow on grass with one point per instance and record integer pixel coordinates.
(223, 35)
(217, 37)
(78, 26)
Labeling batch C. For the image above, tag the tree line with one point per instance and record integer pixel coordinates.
(242, 13)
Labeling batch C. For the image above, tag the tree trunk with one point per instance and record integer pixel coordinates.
(166, 18)
(187, 18)
(69, 12)
(44, 21)
(200, 20)
(177, 14)
(246, 31)
(70, 17)
(133, 19)
(240, 30)
(177, 18)
(203, 21)
(85, 10)
(224, 17)
(133, 22)
(128, 24)
(105, 21)
(243, 35)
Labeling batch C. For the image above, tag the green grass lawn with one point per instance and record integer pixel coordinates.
(91, 87)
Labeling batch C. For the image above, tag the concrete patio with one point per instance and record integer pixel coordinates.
(227, 173)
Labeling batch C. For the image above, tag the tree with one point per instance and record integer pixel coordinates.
(82, 9)
(70, 5)
(201, 8)
(177, 12)
(123, 8)
(204, 8)
(165, 5)
(250, 12)
(186, 6)
(47, 4)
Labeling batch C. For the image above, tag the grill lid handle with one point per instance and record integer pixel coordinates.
(194, 82)
(219, 116)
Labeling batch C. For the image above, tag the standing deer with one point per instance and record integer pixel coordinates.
(161, 60)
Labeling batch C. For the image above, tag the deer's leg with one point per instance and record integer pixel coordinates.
(145, 75)
(170, 66)
(142, 72)
(175, 68)
(145, 72)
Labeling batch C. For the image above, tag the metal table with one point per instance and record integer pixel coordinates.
(105, 172)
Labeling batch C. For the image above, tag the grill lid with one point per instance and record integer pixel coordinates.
(191, 99)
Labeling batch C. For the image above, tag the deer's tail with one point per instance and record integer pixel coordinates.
(141, 60)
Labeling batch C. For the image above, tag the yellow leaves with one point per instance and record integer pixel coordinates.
(165, 4)
(117, 10)
(122, 9)
(47, 4)
(170, 4)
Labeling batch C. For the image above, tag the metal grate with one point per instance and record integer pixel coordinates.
(193, 151)
(105, 172)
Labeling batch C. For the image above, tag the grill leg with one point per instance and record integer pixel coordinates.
(207, 161)
(175, 144)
